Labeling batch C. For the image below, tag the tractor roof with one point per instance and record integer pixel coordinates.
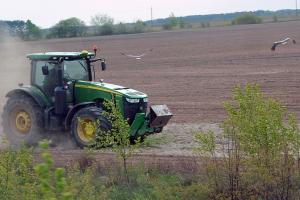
(56, 55)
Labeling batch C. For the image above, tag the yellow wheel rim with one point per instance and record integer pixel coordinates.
(22, 122)
(86, 129)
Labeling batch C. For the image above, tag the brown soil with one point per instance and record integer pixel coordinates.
(108, 162)
(192, 71)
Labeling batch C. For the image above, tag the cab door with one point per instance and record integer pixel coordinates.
(45, 82)
(74, 70)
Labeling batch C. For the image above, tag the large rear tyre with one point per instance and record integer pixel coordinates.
(22, 121)
(85, 124)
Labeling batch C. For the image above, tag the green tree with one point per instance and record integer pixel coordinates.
(15, 27)
(100, 20)
(118, 138)
(139, 26)
(72, 27)
(275, 18)
(31, 32)
(171, 23)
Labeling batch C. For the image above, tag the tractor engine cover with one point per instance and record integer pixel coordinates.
(159, 116)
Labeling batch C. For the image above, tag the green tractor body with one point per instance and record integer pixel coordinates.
(63, 89)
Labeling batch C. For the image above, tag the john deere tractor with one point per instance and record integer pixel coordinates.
(64, 97)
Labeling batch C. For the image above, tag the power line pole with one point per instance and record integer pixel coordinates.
(151, 17)
(296, 9)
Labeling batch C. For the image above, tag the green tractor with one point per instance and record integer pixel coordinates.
(62, 91)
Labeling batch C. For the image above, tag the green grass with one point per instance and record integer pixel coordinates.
(156, 140)
(23, 178)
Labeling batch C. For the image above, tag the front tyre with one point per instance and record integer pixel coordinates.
(22, 121)
(85, 124)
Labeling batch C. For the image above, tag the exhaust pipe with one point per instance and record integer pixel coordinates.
(60, 93)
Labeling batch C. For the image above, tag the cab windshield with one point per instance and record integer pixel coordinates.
(76, 70)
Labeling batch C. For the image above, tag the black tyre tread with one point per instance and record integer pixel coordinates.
(95, 112)
(38, 123)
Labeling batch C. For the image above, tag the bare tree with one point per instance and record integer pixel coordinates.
(100, 20)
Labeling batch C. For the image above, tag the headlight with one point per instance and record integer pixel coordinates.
(145, 100)
(133, 100)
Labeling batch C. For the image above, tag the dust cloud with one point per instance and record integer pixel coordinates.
(15, 69)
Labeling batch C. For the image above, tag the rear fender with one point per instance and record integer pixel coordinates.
(32, 92)
(74, 110)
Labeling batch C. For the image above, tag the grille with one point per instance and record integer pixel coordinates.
(130, 109)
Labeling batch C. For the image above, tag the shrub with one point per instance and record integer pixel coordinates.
(247, 18)
(21, 178)
(172, 22)
(275, 18)
(183, 24)
(51, 182)
(261, 144)
(121, 28)
(139, 26)
(118, 138)
(106, 29)
(86, 184)
(17, 178)
(205, 24)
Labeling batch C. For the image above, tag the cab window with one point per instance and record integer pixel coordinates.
(46, 83)
(76, 70)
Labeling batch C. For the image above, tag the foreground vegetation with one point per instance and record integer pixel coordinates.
(23, 178)
(257, 157)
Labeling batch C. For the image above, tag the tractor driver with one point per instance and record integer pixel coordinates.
(50, 80)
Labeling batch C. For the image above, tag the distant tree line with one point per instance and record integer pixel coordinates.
(191, 19)
(71, 27)
(101, 24)
(25, 30)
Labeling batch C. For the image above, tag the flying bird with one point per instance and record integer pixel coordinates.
(138, 57)
(282, 42)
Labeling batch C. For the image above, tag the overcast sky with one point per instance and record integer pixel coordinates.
(46, 13)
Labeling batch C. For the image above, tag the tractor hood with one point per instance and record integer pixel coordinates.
(111, 88)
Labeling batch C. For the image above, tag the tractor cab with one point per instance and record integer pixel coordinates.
(62, 91)
(50, 70)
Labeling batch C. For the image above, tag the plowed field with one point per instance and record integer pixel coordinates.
(192, 71)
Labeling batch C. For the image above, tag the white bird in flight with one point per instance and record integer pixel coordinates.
(282, 42)
(138, 57)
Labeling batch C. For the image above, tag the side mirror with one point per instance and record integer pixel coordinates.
(45, 70)
(103, 65)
